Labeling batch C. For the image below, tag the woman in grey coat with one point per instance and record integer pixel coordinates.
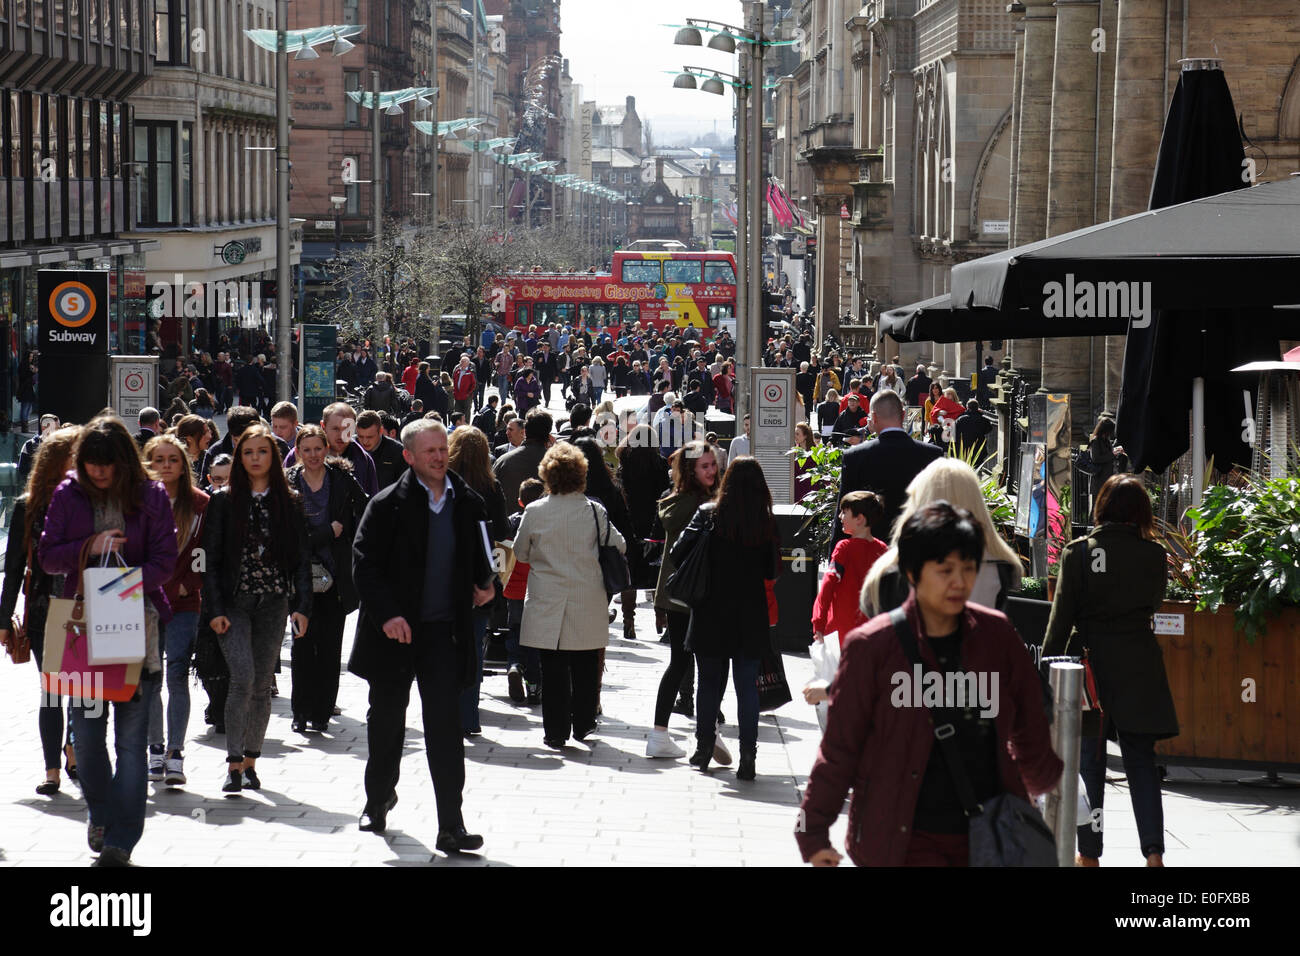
(565, 611)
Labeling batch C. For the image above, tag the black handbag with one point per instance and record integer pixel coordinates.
(773, 688)
(688, 585)
(613, 565)
(1004, 830)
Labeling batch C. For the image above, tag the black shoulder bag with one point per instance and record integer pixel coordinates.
(688, 585)
(1004, 830)
(613, 565)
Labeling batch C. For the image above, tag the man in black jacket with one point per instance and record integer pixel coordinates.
(383, 451)
(420, 567)
(887, 463)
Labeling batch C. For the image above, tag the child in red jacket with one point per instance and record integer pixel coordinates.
(837, 610)
(524, 673)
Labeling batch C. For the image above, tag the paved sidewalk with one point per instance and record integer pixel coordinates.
(597, 804)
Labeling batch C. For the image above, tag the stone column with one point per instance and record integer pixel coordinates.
(1032, 149)
(1139, 111)
(1067, 362)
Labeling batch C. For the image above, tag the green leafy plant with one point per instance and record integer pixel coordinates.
(1035, 588)
(1060, 530)
(823, 500)
(1246, 549)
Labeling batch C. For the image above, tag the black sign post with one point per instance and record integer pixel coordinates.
(72, 310)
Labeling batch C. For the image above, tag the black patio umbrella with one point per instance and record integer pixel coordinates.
(1182, 359)
(935, 320)
(1234, 249)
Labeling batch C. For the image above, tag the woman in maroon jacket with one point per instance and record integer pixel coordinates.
(879, 738)
(168, 461)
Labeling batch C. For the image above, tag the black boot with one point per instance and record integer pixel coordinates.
(703, 754)
(745, 770)
(685, 705)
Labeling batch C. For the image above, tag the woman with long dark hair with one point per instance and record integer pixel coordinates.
(1109, 585)
(258, 568)
(695, 481)
(1102, 450)
(468, 455)
(744, 553)
(334, 503)
(112, 504)
(168, 462)
(54, 456)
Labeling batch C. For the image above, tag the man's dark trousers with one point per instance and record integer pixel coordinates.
(436, 675)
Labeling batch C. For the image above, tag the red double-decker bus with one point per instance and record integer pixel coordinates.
(663, 291)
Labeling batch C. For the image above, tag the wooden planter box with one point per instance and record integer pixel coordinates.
(1206, 666)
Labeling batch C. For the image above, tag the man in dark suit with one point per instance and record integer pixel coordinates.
(420, 567)
(149, 425)
(887, 463)
(385, 452)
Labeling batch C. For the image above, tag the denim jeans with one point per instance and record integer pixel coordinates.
(115, 797)
(529, 658)
(596, 392)
(713, 676)
(1138, 754)
(469, 696)
(252, 649)
(178, 646)
(503, 388)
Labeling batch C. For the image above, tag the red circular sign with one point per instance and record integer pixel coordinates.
(773, 392)
(134, 382)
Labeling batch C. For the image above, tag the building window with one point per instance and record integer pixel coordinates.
(171, 31)
(627, 176)
(388, 22)
(349, 11)
(352, 109)
(187, 174)
(155, 173)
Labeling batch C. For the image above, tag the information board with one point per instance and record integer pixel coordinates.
(317, 367)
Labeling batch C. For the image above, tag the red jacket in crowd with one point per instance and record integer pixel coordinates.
(880, 751)
(409, 376)
(463, 382)
(837, 610)
(945, 407)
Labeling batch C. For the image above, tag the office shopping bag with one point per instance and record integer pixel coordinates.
(65, 666)
(114, 613)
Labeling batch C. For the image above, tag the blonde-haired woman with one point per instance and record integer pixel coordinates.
(954, 481)
(54, 457)
(168, 461)
(564, 611)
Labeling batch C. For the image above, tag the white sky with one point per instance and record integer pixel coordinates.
(618, 48)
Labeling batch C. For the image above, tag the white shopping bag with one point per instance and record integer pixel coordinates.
(825, 656)
(114, 614)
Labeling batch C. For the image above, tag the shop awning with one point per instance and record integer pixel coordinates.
(54, 255)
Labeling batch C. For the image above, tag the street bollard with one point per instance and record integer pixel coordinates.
(1066, 680)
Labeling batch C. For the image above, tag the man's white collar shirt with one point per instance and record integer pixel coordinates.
(435, 504)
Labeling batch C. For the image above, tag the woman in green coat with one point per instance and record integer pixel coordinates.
(1110, 585)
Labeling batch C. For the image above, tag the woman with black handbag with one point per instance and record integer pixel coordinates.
(886, 741)
(23, 571)
(1109, 585)
(744, 552)
(334, 502)
(694, 482)
(602, 486)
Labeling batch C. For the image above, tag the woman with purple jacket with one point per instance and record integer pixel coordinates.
(110, 501)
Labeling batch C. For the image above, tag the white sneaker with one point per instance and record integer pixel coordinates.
(155, 767)
(175, 772)
(661, 745)
(721, 755)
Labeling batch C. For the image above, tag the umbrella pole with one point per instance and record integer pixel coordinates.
(1198, 440)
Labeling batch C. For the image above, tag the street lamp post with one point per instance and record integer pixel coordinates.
(755, 185)
(281, 41)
